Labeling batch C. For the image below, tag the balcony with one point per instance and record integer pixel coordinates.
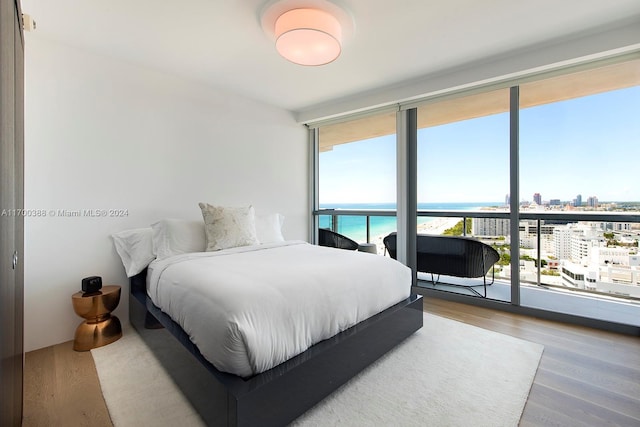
(609, 291)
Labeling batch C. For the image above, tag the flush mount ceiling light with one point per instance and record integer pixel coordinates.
(308, 36)
(307, 32)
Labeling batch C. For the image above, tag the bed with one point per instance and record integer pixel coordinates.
(282, 379)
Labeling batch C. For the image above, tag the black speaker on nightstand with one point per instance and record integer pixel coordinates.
(91, 284)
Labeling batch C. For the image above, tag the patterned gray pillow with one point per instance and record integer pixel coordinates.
(228, 227)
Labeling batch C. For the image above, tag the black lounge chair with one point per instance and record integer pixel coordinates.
(332, 239)
(456, 256)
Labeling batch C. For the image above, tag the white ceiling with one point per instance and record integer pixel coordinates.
(221, 42)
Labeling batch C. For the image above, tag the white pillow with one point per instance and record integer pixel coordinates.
(269, 228)
(227, 227)
(135, 248)
(178, 236)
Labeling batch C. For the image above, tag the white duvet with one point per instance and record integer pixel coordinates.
(249, 309)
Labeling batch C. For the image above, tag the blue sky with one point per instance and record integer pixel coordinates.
(588, 146)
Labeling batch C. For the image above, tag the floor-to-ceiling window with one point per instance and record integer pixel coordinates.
(577, 205)
(357, 171)
(579, 151)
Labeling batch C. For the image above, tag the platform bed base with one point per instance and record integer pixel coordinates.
(280, 395)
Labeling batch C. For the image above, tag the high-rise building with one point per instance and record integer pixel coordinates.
(529, 234)
(592, 202)
(490, 226)
(577, 202)
(537, 198)
(562, 238)
(581, 248)
(555, 202)
(507, 200)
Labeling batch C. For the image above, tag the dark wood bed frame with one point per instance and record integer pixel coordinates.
(280, 395)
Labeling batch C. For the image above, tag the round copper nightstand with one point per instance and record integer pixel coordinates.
(100, 327)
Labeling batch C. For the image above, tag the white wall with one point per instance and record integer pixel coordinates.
(105, 134)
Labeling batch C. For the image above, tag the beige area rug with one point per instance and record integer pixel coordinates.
(446, 374)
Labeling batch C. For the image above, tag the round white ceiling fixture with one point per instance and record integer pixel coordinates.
(307, 32)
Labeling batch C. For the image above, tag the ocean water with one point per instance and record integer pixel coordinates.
(355, 227)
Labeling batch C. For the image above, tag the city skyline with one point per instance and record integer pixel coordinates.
(576, 201)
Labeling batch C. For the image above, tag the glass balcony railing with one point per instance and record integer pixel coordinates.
(590, 253)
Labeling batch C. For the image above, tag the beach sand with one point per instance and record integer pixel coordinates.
(437, 226)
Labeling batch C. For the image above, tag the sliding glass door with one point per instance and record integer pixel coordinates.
(463, 169)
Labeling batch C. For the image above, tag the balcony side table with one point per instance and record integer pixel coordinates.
(100, 327)
(368, 247)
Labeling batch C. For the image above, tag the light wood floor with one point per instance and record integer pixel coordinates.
(61, 388)
(586, 377)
